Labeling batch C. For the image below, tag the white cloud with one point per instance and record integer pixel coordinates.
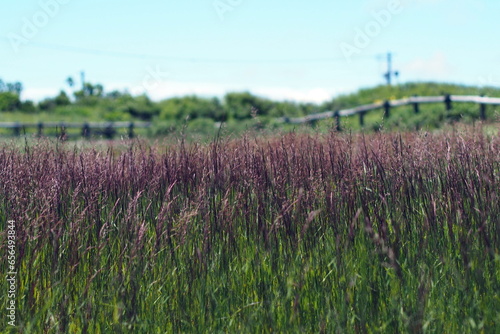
(38, 94)
(437, 67)
(315, 95)
(166, 89)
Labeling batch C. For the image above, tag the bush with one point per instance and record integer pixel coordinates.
(28, 106)
(242, 106)
(202, 126)
(9, 101)
(140, 107)
(192, 107)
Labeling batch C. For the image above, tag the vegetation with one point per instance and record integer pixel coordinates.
(240, 111)
(336, 233)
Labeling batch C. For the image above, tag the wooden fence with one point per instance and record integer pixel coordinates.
(107, 129)
(415, 101)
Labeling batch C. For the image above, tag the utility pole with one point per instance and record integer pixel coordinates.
(82, 76)
(388, 75)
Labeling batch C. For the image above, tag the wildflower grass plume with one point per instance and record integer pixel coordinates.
(329, 233)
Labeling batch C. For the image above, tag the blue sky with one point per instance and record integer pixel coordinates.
(294, 50)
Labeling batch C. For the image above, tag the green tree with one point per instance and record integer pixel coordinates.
(51, 103)
(192, 107)
(62, 99)
(70, 82)
(28, 106)
(9, 101)
(14, 87)
(288, 109)
(89, 90)
(11, 87)
(242, 105)
(140, 107)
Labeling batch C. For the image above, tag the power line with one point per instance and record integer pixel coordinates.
(119, 54)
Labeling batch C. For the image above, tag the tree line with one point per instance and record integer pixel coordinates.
(121, 105)
(92, 102)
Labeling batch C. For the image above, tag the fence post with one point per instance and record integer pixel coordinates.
(63, 132)
(109, 131)
(387, 109)
(40, 129)
(482, 110)
(416, 107)
(131, 130)
(447, 102)
(362, 119)
(17, 129)
(337, 121)
(86, 130)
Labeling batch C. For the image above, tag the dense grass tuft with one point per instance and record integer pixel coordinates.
(299, 233)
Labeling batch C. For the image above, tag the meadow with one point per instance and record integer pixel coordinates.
(292, 233)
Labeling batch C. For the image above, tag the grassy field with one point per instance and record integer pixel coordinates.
(298, 233)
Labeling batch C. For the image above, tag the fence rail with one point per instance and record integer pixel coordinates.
(107, 129)
(483, 101)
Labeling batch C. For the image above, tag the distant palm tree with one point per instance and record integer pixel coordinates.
(70, 82)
